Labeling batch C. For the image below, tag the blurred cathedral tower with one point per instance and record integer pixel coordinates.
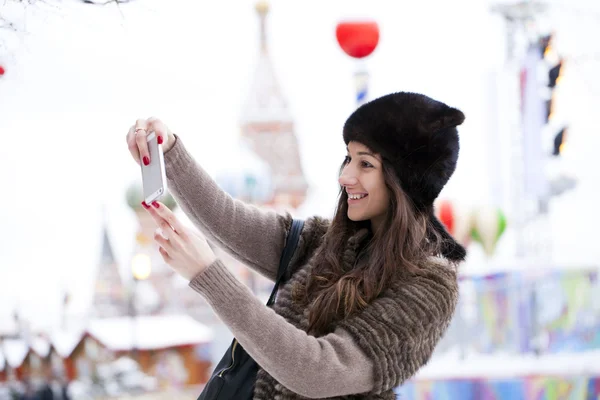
(110, 296)
(268, 128)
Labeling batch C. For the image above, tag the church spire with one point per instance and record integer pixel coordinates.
(109, 290)
(107, 256)
(268, 127)
(262, 8)
(265, 102)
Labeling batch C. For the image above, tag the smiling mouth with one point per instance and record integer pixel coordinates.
(356, 196)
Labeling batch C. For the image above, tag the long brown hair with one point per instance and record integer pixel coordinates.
(348, 275)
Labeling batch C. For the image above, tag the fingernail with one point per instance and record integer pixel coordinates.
(146, 206)
(159, 140)
(155, 204)
(146, 160)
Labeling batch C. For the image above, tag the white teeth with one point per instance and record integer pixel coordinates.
(356, 196)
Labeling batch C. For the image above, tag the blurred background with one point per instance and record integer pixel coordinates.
(259, 92)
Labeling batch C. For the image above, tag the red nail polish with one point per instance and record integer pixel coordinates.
(146, 160)
(155, 204)
(159, 140)
(146, 206)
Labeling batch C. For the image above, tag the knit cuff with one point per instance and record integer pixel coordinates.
(177, 157)
(217, 284)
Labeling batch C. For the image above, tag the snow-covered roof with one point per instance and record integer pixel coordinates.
(65, 341)
(41, 346)
(15, 351)
(149, 332)
(8, 326)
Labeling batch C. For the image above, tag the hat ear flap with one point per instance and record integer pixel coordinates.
(448, 118)
(449, 247)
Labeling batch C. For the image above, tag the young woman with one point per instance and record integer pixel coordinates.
(372, 291)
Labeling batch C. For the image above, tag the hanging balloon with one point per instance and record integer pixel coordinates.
(358, 39)
(463, 223)
(489, 225)
(2, 70)
(445, 213)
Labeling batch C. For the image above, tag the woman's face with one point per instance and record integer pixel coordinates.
(362, 178)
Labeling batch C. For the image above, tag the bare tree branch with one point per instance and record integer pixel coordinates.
(10, 25)
(105, 2)
(4, 24)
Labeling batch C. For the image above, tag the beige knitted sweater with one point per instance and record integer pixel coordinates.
(366, 356)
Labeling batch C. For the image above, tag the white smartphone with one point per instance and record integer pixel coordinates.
(154, 177)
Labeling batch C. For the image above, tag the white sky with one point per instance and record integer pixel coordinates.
(81, 75)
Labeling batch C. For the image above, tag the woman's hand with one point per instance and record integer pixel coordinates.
(186, 251)
(136, 138)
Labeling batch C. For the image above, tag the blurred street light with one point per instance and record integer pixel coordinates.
(141, 266)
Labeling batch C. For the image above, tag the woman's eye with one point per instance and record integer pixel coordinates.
(367, 164)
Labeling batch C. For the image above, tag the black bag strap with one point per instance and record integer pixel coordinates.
(286, 256)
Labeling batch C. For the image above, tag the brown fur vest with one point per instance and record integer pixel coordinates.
(399, 330)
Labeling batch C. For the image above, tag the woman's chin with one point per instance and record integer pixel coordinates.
(355, 217)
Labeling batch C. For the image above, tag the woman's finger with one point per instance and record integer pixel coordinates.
(132, 145)
(169, 233)
(165, 255)
(141, 131)
(163, 240)
(161, 130)
(164, 214)
(168, 230)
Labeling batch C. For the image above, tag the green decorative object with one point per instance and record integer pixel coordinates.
(134, 196)
(489, 225)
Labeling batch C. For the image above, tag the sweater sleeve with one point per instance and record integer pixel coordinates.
(332, 365)
(401, 329)
(252, 235)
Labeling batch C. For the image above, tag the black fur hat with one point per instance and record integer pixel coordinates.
(416, 135)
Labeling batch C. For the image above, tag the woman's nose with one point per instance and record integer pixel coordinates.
(347, 179)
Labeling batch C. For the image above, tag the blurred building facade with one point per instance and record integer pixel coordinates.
(267, 126)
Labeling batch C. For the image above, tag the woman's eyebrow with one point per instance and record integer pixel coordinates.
(366, 153)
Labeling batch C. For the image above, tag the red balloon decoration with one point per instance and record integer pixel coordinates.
(446, 215)
(358, 39)
(2, 71)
